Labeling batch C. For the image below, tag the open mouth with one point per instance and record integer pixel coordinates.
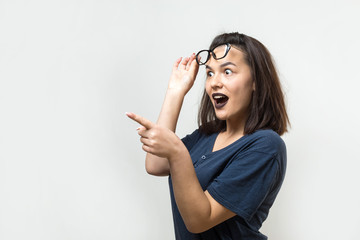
(220, 99)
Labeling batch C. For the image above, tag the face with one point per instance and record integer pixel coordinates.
(229, 85)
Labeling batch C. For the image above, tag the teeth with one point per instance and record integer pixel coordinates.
(218, 97)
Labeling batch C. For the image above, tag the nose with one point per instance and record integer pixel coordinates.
(216, 81)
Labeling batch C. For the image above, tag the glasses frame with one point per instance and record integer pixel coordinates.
(211, 52)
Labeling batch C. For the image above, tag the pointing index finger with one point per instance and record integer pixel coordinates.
(141, 120)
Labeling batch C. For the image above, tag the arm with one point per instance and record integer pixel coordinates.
(199, 210)
(181, 80)
(168, 117)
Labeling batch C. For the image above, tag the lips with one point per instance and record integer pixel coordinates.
(220, 100)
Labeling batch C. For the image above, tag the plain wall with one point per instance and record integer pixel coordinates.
(71, 165)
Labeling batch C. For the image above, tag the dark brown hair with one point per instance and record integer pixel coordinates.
(267, 109)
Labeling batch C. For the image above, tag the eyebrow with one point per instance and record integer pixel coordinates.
(222, 65)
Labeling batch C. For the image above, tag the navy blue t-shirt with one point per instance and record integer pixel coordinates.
(244, 177)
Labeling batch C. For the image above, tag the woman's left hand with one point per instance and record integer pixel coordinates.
(156, 139)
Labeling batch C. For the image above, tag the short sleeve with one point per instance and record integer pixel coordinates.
(190, 139)
(245, 182)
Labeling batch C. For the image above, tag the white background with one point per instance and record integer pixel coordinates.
(71, 166)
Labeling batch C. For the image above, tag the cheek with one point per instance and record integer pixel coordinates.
(247, 95)
(244, 94)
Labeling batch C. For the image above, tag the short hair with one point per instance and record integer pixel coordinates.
(267, 108)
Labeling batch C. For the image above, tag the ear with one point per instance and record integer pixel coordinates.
(253, 86)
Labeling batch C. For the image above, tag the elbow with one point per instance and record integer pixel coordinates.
(155, 172)
(196, 227)
(150, 170)
(193, 230)
(156, 169)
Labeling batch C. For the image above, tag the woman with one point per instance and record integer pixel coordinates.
(223, 177)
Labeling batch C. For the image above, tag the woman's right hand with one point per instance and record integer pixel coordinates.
(183, 74)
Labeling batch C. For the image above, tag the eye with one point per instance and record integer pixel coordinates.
(210, 74)
(228, 71)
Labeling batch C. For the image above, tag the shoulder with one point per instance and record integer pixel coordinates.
(263, 148)
(191, 139)
(266, 141)
(194, 134)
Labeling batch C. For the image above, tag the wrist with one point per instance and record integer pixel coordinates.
(180, 152)
(174, 92)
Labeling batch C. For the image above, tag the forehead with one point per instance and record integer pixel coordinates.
(234, 55)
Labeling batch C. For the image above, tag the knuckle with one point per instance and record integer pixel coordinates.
(153, 133)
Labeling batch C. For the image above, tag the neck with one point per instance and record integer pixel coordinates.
(235, 127)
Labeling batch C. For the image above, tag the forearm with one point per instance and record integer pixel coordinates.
(181, 80)
(191, 200)
(168, 118)
(170, 110)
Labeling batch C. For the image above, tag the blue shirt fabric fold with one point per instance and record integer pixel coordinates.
(244, 177)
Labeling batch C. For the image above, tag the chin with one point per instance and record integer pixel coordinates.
(220, 116)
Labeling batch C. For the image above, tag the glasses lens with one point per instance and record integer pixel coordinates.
(202, 56)
(221, 51)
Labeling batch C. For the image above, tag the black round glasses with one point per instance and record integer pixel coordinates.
(204, 55)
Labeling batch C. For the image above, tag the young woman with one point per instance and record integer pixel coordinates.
(223, 177)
